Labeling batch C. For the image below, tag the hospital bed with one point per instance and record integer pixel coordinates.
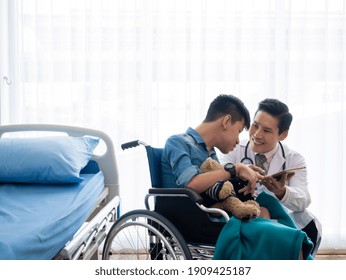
(59, 191)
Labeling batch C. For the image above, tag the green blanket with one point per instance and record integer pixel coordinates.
(263, 239)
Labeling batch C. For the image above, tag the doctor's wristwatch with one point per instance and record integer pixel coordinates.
(230, 167)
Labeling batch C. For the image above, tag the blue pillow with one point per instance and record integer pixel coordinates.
(57, 159)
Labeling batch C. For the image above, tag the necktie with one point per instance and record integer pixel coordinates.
(260, 159)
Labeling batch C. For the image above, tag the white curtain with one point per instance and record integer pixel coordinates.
(146, 69)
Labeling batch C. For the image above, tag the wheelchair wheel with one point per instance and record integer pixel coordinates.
(147, 235)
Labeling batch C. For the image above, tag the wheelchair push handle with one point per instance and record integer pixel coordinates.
(132, 144)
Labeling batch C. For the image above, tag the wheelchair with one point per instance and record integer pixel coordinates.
(179, 227)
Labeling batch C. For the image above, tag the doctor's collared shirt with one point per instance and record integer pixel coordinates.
(182, 156)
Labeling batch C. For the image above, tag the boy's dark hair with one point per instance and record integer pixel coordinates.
(226, 104)
(277, 109)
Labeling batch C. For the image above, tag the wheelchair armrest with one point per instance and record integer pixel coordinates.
(195, 196)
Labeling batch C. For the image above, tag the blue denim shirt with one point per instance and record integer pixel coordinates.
(182, 156)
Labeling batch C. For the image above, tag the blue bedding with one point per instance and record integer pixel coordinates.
(37, 220)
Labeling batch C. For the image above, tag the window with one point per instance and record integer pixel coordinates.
(149, 69)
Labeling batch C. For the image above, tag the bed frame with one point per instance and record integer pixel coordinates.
(87, 240)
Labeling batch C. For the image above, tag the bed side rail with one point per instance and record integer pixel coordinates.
(86, 242)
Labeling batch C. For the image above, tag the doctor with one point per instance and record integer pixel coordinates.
(270, 126)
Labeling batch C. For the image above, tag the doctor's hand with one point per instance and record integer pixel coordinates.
(250, 175)
(278, 187)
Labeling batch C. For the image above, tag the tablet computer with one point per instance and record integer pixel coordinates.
(286, 171)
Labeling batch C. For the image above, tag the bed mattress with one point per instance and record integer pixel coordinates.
(36, 220)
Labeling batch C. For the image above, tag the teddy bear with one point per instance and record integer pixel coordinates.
(226, 196)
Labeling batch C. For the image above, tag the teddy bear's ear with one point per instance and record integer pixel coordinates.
(206, 165)
(210, 164)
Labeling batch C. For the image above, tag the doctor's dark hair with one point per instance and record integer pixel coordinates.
(226, 104)
(277, 109)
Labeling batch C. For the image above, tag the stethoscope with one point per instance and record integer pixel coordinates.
(247, 160)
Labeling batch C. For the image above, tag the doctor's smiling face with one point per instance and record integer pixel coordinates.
(264, 132)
